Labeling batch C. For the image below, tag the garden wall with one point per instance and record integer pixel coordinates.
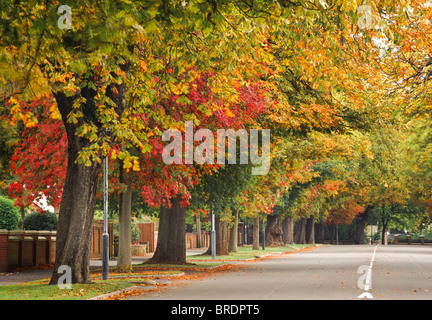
(20, 248)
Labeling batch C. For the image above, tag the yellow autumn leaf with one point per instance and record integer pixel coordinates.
(136, 166)
(142, 64)
(127, 163)
(113, 155)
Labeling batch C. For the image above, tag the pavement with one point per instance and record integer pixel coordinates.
(11, 278)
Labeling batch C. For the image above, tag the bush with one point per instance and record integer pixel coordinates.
(135, 232)
(415, 238)
(428, 238)
(9, 214)
(40, 221)
(403, 238)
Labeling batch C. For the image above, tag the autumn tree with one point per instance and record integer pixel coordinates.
(92, 70)
(39, 162)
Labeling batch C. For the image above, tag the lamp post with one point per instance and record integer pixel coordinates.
(337, 235)
(105, 236)
(213, 235)
(263, 233)
(245, 232)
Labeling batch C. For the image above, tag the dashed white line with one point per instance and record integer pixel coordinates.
(368, 280)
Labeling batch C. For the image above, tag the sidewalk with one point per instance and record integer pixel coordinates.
(30, 275)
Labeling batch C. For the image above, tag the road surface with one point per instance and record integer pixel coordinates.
(329, 272)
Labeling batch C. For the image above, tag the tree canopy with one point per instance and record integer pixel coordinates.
(342, 88)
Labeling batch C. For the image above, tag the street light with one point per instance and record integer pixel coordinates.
(263, 233)
(105, 236)
(245, 232)
(337, 235)
(213, 235)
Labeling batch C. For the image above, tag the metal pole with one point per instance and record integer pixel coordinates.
(105, 236)
(213, 235)
(245, 232)
(263, 233)
(337, 235)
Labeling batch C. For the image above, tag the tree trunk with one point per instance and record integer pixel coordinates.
(74, 228)
(233, 240)
(255, 234)
(361, 221)
(310, 230)
(171, 243)
(288, 230)
(20, 224)
(384, 232)
(274, 231)
(319, 232)
(332, 233)
(221, 228)
(124, 260)
(300, 230)
(198, 229)
(221, 236)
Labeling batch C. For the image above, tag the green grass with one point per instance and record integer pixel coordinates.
(40, 290)
(246, 252)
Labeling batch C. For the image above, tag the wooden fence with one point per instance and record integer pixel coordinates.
(147, 234)
(96, 239)
(192, 239)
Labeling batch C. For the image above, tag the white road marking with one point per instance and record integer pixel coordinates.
(368, 281)
(366, 295)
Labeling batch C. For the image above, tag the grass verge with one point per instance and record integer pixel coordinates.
(40, 290)
(246, 252)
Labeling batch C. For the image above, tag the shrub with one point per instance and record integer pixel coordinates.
(428, 238)
(9, 214)
(135, 232)
(403, 238)
(40, 221)
(415, 238)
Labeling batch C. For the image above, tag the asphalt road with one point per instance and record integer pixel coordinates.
(345, 272)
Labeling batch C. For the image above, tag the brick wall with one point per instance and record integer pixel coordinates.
(4, 234)
(20, 248)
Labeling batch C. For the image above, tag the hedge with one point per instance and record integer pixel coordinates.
(40, 221)
(9, 214)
